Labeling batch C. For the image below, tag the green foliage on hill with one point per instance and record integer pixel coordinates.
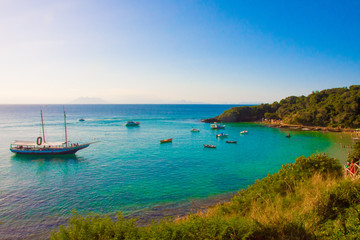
(309, 199)
(336, 107)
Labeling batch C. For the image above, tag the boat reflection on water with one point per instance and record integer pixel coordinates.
(45, 158)
(46, 168)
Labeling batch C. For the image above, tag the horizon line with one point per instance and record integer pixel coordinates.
(130, 103)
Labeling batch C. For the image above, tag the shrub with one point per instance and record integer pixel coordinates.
(285, 181)
(339, 211)
(93, 226)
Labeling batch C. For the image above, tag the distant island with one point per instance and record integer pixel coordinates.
(335, 108)
(88, 100)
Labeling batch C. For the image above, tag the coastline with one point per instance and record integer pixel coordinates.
(280, 124)
(178, 210)
(144, 217)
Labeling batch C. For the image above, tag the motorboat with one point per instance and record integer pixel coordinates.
(221, 135)
(231, 141)
(132, 124)
(244, 132)
(217, 126)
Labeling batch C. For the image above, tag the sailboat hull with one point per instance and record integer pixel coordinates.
(49, 151)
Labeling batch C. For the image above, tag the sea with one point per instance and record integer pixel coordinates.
(127, 170)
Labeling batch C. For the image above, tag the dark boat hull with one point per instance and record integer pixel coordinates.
(61, 151)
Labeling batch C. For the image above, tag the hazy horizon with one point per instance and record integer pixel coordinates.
(159, 52)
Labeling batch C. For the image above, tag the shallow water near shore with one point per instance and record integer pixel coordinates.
(129, 170)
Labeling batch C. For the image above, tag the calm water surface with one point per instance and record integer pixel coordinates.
(129, 170)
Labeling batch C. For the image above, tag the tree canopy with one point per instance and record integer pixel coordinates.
(336, 107)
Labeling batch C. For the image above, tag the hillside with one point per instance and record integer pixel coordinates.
(336, 107)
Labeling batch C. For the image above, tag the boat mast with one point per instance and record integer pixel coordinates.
(42, 124)
(66, 142)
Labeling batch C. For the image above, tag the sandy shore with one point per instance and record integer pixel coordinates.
(280, 124)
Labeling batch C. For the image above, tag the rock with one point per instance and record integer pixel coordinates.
(210, 120)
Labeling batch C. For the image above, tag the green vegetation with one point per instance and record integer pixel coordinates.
(337, 107)
(355, 155)
(309, 199)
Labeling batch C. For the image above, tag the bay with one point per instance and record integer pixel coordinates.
(129, 170)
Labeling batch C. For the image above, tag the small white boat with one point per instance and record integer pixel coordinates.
(194, 130)
(217, 126)
(221, 135)
(244, 132)
(132, 124)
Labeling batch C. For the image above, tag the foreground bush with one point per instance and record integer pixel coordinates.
(93, 226)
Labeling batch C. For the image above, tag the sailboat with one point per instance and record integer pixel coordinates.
(42, 147)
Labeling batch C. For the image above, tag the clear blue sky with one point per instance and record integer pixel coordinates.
(168, 51)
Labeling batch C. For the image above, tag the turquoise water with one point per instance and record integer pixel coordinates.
(129, 170)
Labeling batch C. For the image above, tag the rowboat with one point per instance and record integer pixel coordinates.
(194, 130)
(209, 146)
(42, 147)
(166, 140)
(231, 141)
(132, 124)
(244, 132)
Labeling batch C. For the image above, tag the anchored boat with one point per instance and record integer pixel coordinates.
(209, 146)
(217, 126)
(42, 147)
(166, 140)
(194, 130)
(222, 135)
(132, 124)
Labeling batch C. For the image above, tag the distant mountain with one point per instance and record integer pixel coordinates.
(182, 101)
(87, 100)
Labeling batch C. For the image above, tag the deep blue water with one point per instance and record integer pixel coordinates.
(129, 170)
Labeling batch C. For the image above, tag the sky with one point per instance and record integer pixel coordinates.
(175, 51)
